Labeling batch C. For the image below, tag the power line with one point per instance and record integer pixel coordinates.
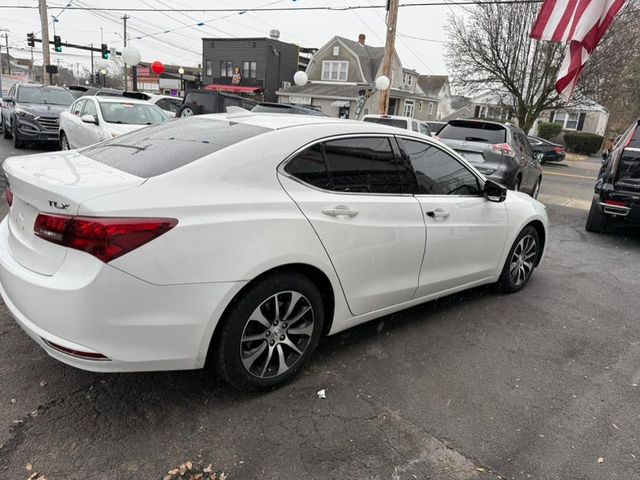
(282, 9)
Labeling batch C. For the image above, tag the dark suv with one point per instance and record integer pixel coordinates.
(617, 192)
(31, 113)
(269, 107)
(198, 102)
(499, 151)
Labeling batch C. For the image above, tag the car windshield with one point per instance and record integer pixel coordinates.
(392, 122)
(131, 113)
(471, 131)
(48, 95)
(159, 149)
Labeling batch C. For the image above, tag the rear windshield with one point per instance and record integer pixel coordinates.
(161, 148)
(474, 132)
(392, 122)
(132, 113)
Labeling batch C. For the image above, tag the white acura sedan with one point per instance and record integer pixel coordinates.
(91, 120)
(243, 238)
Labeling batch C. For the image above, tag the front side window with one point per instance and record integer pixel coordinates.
(364, 164)
(437, 172)
(335, 70)
(309, 166)
(76, 109)
(90, 109)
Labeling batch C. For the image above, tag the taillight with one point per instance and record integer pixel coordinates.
(8, 194)
(559, 149)
(503, 148)
(105, 238)
(615, 203)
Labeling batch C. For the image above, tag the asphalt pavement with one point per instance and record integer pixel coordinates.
(542, 384)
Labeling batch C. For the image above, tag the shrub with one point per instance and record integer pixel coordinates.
(549, 130)
(586, 143)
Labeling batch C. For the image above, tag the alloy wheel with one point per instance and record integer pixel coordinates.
(536, 190)
(522, 260)
(277, 334)
(187, 112)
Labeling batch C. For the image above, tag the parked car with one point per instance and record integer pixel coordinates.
(149, 251)
(435, 127)
(31, 113)
(83, 91)
(94, 119)
(169, 104)
(269, 107)
(617, 189)
(551, 152)
(500, 151)
(198, 102)
(406, 123)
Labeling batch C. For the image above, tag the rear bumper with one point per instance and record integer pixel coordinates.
(89, 306)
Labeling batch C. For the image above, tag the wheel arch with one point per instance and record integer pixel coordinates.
(542, 235)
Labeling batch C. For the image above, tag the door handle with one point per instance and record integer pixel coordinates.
(438, 213)
(340, 210)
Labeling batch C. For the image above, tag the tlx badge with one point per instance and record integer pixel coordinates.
(59, 206)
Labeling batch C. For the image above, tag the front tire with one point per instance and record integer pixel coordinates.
(521, 261)
(269, 332)
(64, 142)
(6, 133)
(17, 141)
(597, 221)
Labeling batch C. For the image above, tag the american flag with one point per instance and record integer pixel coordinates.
(582, 23)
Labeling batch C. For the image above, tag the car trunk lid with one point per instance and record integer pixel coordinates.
(55, 183)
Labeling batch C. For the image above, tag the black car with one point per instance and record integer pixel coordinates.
(551, 152)
(31, 113)
(499, 151)
(617, 190)
(198, 102)
(269, 107)
(434, 126)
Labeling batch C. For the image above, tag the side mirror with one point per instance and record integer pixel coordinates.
(89, 119)
(7, 99)
(494, 192)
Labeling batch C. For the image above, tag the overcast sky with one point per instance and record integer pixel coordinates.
(182, 46)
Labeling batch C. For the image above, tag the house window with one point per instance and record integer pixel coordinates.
(226, 68)
(480, 111)
(420, 106)
(336, 51)
(569, 121)
(407, 80)
(429, 108)
(335, 70)
(409, 108)
(249, 69)
(208, 69)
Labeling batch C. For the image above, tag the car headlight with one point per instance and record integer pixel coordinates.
(24, 113)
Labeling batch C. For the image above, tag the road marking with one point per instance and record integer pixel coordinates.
(584, 177)
(565, 201)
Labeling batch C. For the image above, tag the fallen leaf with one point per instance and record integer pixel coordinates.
(600, 460)
(197, 476)
(168, 476)
(32, 476)
(29, 467)
(322, 394)
(208, 468)
(175, 471)
(18, 421)
(480, 469)
(615, 426)
(43, 383)
(13, 400)
(189, 465)
(183, 469)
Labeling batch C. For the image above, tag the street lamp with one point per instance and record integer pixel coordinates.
(181, 72)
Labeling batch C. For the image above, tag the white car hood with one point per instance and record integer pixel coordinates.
(121, 128)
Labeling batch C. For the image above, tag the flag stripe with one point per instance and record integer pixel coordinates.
(583, 6)
(547, 10)
(567, 15)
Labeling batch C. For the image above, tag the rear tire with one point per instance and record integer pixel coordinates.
(521, 261)
(597, 221)
(188, 110)
(260, 346)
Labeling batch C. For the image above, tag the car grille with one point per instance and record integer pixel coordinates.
(49, 123)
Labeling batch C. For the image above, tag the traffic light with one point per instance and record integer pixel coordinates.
(105, 51)
(57, 44)
(31, 41)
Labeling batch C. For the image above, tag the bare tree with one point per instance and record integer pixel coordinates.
(490, 49)
(611, 75)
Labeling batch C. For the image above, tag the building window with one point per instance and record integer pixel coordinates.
(420, 106)
(569, 121)
(407, 80)
(336, 51)
(335, 70)
(249, 69)
(226, 68)
(409, 108)
(208, 69)
(429, 108)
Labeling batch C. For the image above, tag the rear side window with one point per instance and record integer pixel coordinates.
(364, 164)
(166, 146)
(473, 132)
(392, 122)
(309, 166)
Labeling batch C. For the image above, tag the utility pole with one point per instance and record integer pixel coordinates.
(125, 44)
(44, 25)
(33, 71)
(389, 48)
(1, 71)
(92, 70)
(6, 40)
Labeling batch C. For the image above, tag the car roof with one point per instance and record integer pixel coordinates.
(397, 117)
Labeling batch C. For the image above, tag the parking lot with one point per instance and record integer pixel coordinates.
(542, 384)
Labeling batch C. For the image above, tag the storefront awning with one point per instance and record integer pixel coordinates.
(232, 88)
(340, 103)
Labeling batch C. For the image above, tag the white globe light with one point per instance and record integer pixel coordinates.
(131, 55)
(300, 79)
(382, 82)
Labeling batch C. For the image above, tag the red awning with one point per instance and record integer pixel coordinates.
(232, 88)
